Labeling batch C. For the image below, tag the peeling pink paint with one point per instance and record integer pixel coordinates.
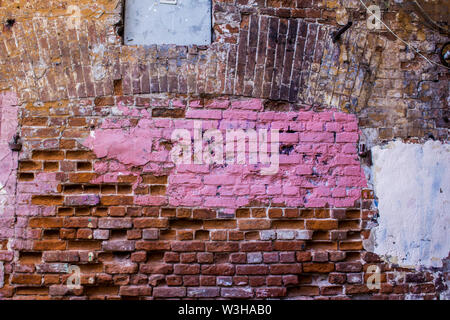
(319, 166)
(8, 163)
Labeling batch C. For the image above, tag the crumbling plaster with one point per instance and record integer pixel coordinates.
(412, 183)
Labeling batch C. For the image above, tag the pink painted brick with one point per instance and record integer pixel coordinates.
(322, 191)
(289, 159)
(316, 126)
(271, 190)
(344, 202)
(240, 115)
(195, 104)
(350, 182)
(297, 126)
(288, 137)
(280, 125)
(290, 190)
(241, 189)
(304, 116)
(163, 123)
(268, 116)
(304, 170)
(219, 202)
(252, 104)
(338, 193)
(218, 104)
(333, 126)
(204, 114)
(196, 185)
(184, 178)
(349, 148)
(178, 103)
(316, 203)
(345, 160)
(317, 137)
(352, 171)
(150, 200)
(191, 201)
(258, 189)
(219, 180)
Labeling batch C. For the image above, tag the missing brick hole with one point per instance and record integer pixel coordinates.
(119, 27)
(30, 257)
(202, 235)
(65, 211)
(286, 149)
(84, 166)
(121, 255)
(118, 235)
(26, 176)
(118, 91)
(51, 234)
(155, 257)
(85, 211)
(10, 23)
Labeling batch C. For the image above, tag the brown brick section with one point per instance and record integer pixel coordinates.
(128, 251)
(278, 50)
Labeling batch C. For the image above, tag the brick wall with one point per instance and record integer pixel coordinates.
(97, 189)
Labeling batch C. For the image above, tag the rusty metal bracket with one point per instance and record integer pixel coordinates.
(366, 154)
(337, 35)
(16, 143)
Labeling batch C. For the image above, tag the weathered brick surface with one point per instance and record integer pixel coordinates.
(279, 50)
(138, 227)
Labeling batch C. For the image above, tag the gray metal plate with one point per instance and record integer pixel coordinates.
(150, 22)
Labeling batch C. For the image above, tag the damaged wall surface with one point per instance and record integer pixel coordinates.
(8, 164)
(412, 183)
(363, 176)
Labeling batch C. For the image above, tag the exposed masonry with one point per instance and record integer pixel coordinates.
(72, 212)
(8, 178)
(419, 194)
(79, 196)
(318, 165)
(8, 165)
(280, 50)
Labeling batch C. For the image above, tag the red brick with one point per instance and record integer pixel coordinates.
(318, 267)
(186, 269)
(30, 279)
(285, 269)
(252, 269)
(161, 292)
(135, 291)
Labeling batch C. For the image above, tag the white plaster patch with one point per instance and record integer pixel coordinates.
(412, 183)
(2, 275)
(3, 198)
(99, 72)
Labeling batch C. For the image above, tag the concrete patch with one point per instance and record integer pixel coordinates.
(412, 183)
